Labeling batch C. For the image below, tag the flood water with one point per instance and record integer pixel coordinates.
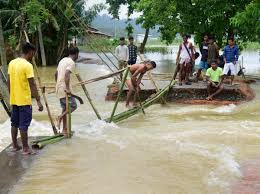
(173, 149)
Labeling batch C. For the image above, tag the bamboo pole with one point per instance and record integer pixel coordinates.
(140, 102)
(119, 94)
(41, 144)
(88, 97)
(46, 138)
(163, 101)
(90, 81)
(48, 111)
(43, 94)
(126, 114)
(5, 106)
(68, 109)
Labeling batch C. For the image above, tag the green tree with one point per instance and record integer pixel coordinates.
(247, 22)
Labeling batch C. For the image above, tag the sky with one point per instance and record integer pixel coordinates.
(123, 9)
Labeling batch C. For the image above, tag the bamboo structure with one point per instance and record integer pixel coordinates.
(82, 82)
(39, 144)
(48, 111)
(5, 106)
(119, 93)
(88, 97)
(147, 103)
(163, 101)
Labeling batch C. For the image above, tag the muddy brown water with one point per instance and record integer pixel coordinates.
(173, 149)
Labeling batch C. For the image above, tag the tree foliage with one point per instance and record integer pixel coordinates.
(247, 22)
(60, 20)
(195, 17)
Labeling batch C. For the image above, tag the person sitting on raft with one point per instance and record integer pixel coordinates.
(214, 78)
(134, 78)
(63, 85)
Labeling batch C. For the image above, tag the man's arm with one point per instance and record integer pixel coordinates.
(178, 54)
(67, 80)
(236, 55)
(127, 54)
(8, 83)
(35, 93)
(192, 51)
(117, 52)
(224, 55)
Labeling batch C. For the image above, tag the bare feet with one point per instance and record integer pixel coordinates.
(16, 148)
(28, 151)
(65, 133)
(209, 98)
(58, 122)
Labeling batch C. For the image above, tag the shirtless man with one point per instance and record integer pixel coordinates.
(134, 78)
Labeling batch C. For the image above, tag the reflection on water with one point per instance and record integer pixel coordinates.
(173, 149)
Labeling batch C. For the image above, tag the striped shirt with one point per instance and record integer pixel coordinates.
(132, 52)
(231, 54)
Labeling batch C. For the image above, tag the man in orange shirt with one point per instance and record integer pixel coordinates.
(22, 87)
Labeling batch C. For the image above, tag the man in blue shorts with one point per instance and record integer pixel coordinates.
(22, 87)
(63, 84)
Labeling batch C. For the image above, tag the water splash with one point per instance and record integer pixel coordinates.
(36, 129)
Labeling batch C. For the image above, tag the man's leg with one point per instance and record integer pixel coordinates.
(221, 87)
(25, 115)
(130, 92)
(188, 70)
(233, 72)
(24, 137)
(226, 70)
(209, 90)
(14, 127)
(181, 70)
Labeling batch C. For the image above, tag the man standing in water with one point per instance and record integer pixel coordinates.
(22, 87)
(63, 84)
(134, 78)
(214, 78)
(183, 61)
(204, 56)
(231, 54)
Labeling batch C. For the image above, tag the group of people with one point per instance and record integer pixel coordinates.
(217, 67)
(22, 86)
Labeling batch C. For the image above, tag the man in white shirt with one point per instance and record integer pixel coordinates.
(122, 53)
(62, 76)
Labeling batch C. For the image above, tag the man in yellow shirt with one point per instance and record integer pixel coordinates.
(22, 87)
(214, 78)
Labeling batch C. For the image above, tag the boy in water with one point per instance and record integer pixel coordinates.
(134, 78)
(214, 78)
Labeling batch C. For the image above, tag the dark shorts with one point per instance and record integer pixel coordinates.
(131, 61)
(21, 117)
(72, 102)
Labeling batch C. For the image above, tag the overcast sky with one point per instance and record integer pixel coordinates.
(123, 9)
